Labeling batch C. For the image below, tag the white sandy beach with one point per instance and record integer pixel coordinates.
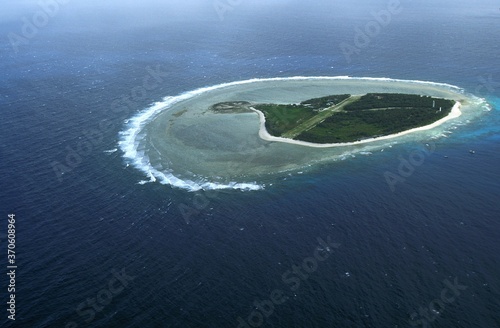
(455, 112)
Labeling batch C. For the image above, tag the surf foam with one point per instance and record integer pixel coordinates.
(130, 138)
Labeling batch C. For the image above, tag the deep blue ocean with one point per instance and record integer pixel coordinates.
(96, 249)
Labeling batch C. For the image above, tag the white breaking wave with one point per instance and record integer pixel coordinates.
(131, 137)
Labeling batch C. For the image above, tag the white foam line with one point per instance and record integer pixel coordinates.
(130, 138)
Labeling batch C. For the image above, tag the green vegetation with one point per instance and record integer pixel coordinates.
(282, 118)
(397, 100)
(290, 120)
(345, 118)
(324, 102)
(353, 126)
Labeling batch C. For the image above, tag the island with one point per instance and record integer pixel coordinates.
(341, 119)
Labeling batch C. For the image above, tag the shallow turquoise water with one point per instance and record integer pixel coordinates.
(183, 144)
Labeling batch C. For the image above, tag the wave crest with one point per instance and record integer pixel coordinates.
(130, 138)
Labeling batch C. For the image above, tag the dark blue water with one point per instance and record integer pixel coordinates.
(96, 249)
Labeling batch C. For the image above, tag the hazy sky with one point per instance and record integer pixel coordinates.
(13, 10)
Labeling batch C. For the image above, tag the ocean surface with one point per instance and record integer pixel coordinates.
(407, 235)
